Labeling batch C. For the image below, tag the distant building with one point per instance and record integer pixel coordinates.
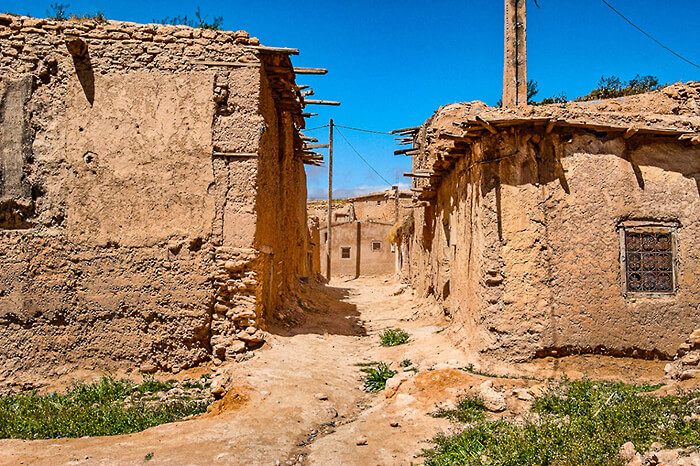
(360, 233)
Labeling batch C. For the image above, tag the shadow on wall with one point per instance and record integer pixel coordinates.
(83, 67)
(317, 309)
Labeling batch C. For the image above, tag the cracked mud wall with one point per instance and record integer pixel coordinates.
(524, 253)
(138, 234)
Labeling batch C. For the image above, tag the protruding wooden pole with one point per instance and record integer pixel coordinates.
(330, 200)
(515, 54)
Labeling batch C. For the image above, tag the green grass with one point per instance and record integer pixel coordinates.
(376, 377)
(394, 337)
(470, 368)
(469, 409)
(92, 409)
(579, 423)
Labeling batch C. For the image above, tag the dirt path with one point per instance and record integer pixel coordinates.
(299, 400)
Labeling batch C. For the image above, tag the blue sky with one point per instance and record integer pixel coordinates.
(392, 64)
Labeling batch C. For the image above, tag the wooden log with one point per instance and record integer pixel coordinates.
(264, 48)
(308, 92)
(486, 125)
(693, 138)
(302, 70)
(321, 102)
(316, 146)
(550, 126)
(308, 139)
(405, 130)
(407, 151)
(631, 131)
(309, 115)
(417, 175)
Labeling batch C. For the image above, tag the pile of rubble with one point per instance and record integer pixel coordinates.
(686, 365)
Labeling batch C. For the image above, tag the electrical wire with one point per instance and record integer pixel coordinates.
(363, 159)
(648, 35)
(363, 130)
(306, 130)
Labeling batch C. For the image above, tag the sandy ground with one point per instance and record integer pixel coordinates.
(300, 398)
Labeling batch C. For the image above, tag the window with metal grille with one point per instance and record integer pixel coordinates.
(345, 253)
(648, 259)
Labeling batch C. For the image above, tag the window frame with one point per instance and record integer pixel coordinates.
(349, 249)
(373, 243)
(668, 228)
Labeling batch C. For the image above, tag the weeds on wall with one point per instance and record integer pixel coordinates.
(198, 21)
(394, 337)
(106, 407)
(376, 377)
(576, 423)
(59, 12)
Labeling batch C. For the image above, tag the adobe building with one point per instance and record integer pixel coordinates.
(382, 207)
(361, 244)
(152, 192)
(359, 249)
(565, 228)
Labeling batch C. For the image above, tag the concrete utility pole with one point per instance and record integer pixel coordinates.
(515, 54)
(330, 199)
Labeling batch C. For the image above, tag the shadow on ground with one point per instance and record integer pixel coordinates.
(317, 308)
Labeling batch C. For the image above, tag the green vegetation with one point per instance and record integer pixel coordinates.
(472, 370)
(148, 456)
(406, 363)
(376, 377)
(612, 86)
(198, 21)
(394, 337)
(576, 423)
(106, 407)
(58, 12)
(469, 409)
(607, 88)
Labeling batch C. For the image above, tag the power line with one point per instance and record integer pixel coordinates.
(313, 129)
(646, 34)
(363, 159)
(363, 130)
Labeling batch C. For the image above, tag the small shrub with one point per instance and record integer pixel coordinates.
(97, 16)
(376, 377)
(151, 384)
(57, 11)
(406, 363)
(199, 21)
(394, 337)
(612, 86)
(148, 456)
(469, 409)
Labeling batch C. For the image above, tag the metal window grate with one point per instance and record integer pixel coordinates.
(649, 262)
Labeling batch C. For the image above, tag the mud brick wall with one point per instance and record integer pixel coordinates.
(524, 253)
(124, 204)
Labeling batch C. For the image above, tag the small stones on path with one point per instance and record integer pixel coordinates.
(361, 441)
(321, 396)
